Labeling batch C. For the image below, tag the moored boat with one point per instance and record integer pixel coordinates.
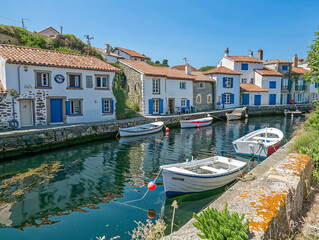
(295, 113)
(260, 143)
(200, 175)
(201, 122)
(141, 129)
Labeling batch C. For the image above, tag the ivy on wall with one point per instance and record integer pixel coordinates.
(119, 94)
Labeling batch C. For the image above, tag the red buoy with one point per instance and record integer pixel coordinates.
(151, 213)
(197, 125)
(292, 101)
(151, 186)
(167, 129)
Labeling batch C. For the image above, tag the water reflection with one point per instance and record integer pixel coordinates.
(96, 178)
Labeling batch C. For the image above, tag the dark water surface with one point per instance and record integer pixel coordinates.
(81, 192)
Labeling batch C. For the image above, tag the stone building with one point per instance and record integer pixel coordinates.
(42, 87)
(49, 32)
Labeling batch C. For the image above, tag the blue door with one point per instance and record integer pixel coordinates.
(56, 110)
(257, 100)
(246, 99)
(272, 99)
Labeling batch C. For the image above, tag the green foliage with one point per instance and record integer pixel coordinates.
(221, 225)
(116, 64)
(313, 61)
(13, 92)
(158, 63)
(206, 68)
(134, 106)
(119, 95)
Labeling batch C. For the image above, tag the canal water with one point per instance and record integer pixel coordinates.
(88, 191)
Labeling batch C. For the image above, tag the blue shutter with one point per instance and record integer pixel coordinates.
(231, 98)
(68, 107)
(295, 98)
(223, 98)
(224, 82)
(188, 103)
(103, 106)
(161, 106)
(246, 99)
(281, 96)
(112, 106)
(272, 84)
(288, 98)
(304, 97)
(231, 83)
(150, 106)
(289, 85)
(80, 107)
(316, 85)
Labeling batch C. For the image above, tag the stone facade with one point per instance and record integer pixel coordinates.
(6, 112)
(203, 97)
(133, 85)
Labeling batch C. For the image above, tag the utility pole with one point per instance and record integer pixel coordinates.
(22, 21)
(88, 39)
(61, 29)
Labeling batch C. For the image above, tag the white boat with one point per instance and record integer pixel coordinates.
(233, 116)
(260, 143)
(200, 175)
(195, 122)
(289, 113)
(141, 129)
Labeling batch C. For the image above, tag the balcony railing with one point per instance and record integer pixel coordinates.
(285, 87)
(300, 87)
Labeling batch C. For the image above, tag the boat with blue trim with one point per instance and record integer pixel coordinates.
(200, 175)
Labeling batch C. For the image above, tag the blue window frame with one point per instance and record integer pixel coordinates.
(284, 68)
(244, 66)
(272, 84)
(73, 107)
(107, 106)
(182, 85)
(43, 79)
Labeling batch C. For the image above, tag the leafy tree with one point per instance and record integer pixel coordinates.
(119, 94)
(313, 61)
(165, 63)
(206, 68)
(157, 62)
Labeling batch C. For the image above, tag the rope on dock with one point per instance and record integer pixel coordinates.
(117, 136)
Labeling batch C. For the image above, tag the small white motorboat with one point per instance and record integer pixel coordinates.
(260, 143)
(200, 175)
(141, 129)
(289, 113)
(201, 122)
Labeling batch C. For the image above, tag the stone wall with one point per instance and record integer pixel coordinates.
(208, 89)
(6, 112)
(277, 109)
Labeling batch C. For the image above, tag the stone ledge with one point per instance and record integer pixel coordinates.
(271, 198)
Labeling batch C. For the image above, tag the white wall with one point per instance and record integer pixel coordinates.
(92, 99)
(226, 62)
(264, 98)
(3, 71)
(168, 89)
(250, 73)
(263, 81)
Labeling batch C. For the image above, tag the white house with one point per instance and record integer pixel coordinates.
(129, 54)
(252, 95)
(51, 87)
(49, 32)
(108, 55)
(227, 90)
(158, 90)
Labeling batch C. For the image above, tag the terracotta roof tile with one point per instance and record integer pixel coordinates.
(221, 70)
(249, 87)
(300, 70)
(132, 53)
(50, 58)
(276, 61)
(200, 77)
(244, 59)
(268, 72)
(182, 67)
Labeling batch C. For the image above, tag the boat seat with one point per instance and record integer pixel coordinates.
(179, 170)
(214, 169)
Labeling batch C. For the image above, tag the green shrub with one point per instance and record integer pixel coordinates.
(222, 225)
(119, 95)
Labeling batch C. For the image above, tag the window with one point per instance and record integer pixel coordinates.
(244, 66)
(244, 80)
(156, 106)
(284, 68)
(227, 97)
(183, 102)
(107, 106)
(201, 85)
(102, 82)
(43, 80)
(252, 81)
(74, 107)
(156, 86)
(272, 84)
(299, 97)
(74, 81)
(228, 82)
(198, 98)
(209, 98)
(182, 85)
(89, 82)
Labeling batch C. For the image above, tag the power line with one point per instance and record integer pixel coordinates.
(10, 19)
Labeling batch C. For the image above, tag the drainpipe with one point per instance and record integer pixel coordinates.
(19, 83)
(14, 123)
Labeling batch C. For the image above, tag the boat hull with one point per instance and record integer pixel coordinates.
(131, 133)
(194, 123)
(178, 184)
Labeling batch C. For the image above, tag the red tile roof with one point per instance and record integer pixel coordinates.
(221, 70)
(165, 72)
(110, 54)
(276, 61)
(300, 70)
(132, 53)
(249, 87)
(50, 58)
(245, 59)
(182, 67)
(268, 72)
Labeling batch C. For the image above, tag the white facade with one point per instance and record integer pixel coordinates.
(34, 107)
(264, 96)
(126, 55)
(266, 82)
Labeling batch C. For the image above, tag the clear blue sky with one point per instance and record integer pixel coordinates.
(197, 29)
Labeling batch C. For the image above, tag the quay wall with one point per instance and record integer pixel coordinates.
(27, 141)
(270, 196)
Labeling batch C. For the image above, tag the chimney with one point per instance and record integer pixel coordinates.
(226, 52)
(108, 48)
(295, 61)
(188, 69)
(260, 54)
(61, 28)
(251, 54)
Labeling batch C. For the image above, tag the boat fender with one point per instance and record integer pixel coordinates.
(151, 185)
(167, 129)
